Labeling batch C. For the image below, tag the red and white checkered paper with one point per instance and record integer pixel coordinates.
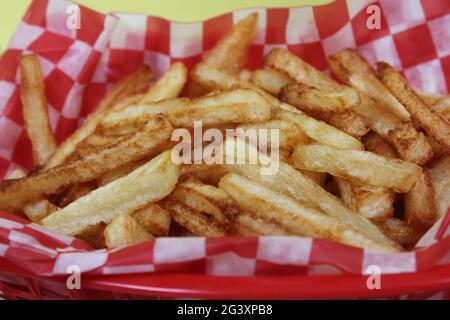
(79, 66)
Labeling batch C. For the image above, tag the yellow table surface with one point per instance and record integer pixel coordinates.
(179, 10)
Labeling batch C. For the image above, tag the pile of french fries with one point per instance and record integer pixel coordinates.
(364, 161)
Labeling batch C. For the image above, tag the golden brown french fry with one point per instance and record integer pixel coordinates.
(410, 144)
(376, 144)
(357, 166)
(311, 99)
(120, 172)
(135, 83)
(197, 223)
(231, 52)
(95, 143)
(319, 131)
(34, 109)
(293, 183)
(37, 211)
(124, 231)
(420, 204)
(169, 86)
(154, 219)
(349, 122)
(207, 199)
(143, 144)
(270, 80)
(400, 232)
(351, 68)
(289, 134)
(292, 215)
(209, 174)
(150, 183)
(440, 177)
(431, 121)
(248, 225)
(374, 203)
(236, 106)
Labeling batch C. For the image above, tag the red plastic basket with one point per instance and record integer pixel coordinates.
(425, 18)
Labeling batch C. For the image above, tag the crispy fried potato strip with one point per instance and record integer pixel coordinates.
(154, 219)
(149, 183)
(440, 177)
(125, 231)
(248, 225)
(34, 109)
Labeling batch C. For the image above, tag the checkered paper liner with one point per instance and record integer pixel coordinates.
(80, 65)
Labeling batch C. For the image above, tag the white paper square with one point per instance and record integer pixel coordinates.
(186, 39)
(285, 250)
(129, 32)
(172, 250)
(342, 39)
(301, 26)
(402, 15)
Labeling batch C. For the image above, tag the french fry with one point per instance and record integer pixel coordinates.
(143, 144)
(154, 219)
(320, 131)
(270, 80)
(135, 83)
(289, 134)
(207, 199)
(169, 86)
(248, 225)
(236, 106)
(420, 204)
(311, 99)
(150, 183)
(293, 215)
(94, 236)
(197, 223)
(440, 177)
(400, 232)
(34, 109)
(374, 203)
(349, 122)
(37, 211)
(293, 183)
(376, 144)
(120, 172)
(125, 231)
(95, 143)
(358, 166)
(410, 144)
(76, 192)
(17, 173)
(231, 52)
(351, 68)
(431, 121)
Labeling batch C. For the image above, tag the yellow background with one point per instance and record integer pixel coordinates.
(179, 10)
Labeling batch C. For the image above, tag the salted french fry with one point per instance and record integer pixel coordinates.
(231, 52)
(135, 83)
(440, 177)
(209, 174)
(349, 122)
(292, 215)
(148, 184)
(289, 134)
(236, 106)
(143, 144)
(420, 205)
(197, 223)
(293, 183)
(248, 225)
(410, 144)
(311, 99)
(35, 110)
(169, 86)
(320, 131)
(431, 121)
(376, 144)
(37, 211)
(207, 199)
(270, 80)
(154, 219)
(358, 166)
(374, 203)
(400, 232)
(124, 231)
(351, 68)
